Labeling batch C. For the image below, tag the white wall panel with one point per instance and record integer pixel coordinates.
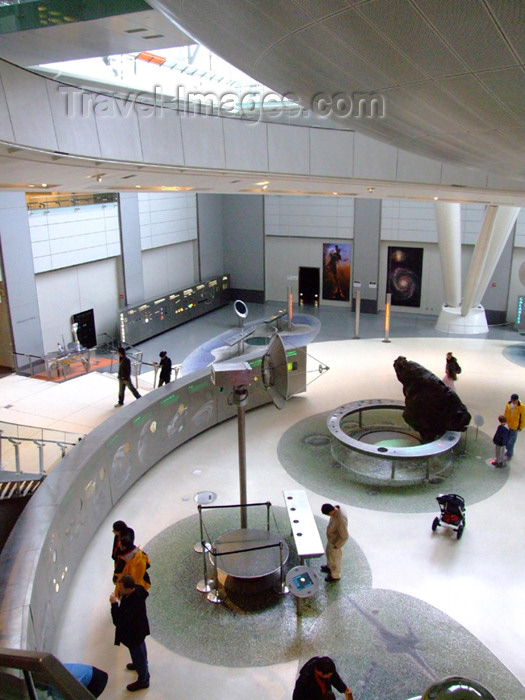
(415, 168)
(455, 175)
(168, 268)
(519, 240)
(317, 217)
(167, 218)
(373, 159)
(246, 144)
(203, 141)
(288, 149)
(74, 235)
(75, 126)
(118, 131)
(161, 137)
(6, 130)
(29, 110)
(332, 153)
(65, 292)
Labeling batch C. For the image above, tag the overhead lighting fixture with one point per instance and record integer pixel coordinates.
(436, 199)
(370, 189)
(264, 182)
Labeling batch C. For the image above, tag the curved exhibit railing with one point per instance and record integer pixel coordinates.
(44, 549)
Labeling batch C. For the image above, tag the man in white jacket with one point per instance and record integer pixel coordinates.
(336, 537)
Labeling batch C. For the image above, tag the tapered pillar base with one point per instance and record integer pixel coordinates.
(451, 321)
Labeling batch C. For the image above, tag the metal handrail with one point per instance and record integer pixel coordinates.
(10, 437)
(48, 671)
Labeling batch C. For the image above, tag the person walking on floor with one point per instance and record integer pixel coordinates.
(124, 377)
(500, 440)
(316, 679)
(132, 627)
(165, 368)
(515, 417)
(336, 537)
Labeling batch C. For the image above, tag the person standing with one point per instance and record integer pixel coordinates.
(131, 560)
(119, 528)
(452, 369)
(500, 440)
(316, 679)
(132, 627)
(515, 417)
(336, 537)
(124, 377)
(165, 368)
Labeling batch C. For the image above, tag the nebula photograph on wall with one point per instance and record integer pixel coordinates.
(405, 269)
(336, 271)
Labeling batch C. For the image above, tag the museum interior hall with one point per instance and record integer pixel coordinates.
(307, 206)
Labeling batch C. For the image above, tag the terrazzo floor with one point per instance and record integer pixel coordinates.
(413, 605)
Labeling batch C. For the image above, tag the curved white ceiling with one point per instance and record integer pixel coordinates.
(450, 73)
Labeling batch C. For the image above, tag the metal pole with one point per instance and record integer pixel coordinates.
(205, 585)
(214, 596)
(387, 317)
(40, 446)
(241, 427)
(268, 506)
(283, 588)
(290, 307)
(357, 313)
(198, 547)
(17, 453)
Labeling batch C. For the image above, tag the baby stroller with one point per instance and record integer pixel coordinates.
(452, 515)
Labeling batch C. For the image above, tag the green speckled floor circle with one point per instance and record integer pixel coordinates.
(253, 631)
(386, 644)
(391, 646)
(304, 451)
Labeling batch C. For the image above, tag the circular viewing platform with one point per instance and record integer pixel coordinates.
(372, 441)
(249, 560)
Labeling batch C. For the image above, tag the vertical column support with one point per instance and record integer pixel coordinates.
(448, 220)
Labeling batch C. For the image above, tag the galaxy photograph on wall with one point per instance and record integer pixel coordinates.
(405, 267)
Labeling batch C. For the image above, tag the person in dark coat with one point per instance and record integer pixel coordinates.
(132, 627)
(501, 440)
(119, 528)
(124, 377)
(165, 368)
(316, 679)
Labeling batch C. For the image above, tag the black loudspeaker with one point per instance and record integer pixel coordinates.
(86, 333)
(309, 280)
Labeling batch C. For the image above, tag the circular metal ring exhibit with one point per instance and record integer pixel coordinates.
(372, 441)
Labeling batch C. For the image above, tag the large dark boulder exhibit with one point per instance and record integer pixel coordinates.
(431, 407)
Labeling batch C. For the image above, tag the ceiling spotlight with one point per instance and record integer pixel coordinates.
(436, 199)
(99, 178)
(264, 182)
(370, 189)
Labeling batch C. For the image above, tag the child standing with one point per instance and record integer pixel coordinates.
(500, 439)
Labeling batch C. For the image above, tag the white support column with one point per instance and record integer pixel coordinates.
(503, 225)
(448, 220)
(479, 258)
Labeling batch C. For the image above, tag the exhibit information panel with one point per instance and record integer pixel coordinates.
(138, 323)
